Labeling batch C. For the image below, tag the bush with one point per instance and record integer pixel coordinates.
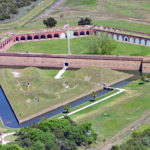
(50, 22)
(103, 45)
(85, 21)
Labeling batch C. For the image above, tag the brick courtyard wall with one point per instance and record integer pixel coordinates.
(130, 38)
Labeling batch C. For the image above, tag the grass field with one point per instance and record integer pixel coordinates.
(78, 46)
(116, 23)
(121, 110)
(28, 16)
(123, 12)
(49, 91)
(120, 14)
(81, 2)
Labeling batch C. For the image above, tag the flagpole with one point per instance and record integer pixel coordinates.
(69, 52)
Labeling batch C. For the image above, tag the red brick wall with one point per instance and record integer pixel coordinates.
(75, 61)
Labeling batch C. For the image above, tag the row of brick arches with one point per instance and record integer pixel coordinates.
(128, 38)
(49, 36)
(77, 33)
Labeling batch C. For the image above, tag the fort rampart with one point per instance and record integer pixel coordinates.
(75, 61)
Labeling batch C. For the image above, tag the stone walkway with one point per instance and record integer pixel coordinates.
(4, 135)
(61, 72)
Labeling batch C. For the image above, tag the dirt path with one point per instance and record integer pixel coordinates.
(118, 138)
(50, 9)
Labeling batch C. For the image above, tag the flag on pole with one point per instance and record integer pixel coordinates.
(66, 25)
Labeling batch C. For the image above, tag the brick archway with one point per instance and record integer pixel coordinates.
(22, 38)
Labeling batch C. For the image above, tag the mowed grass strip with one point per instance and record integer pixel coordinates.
(120, 110)
(78, 46)
(50, 92)
(81, 2)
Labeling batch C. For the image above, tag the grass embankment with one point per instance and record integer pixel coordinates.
(28, 16)
(116, 23)
(121, 110)
(101, 11)
(5, 129)
(87, 103)
(51, 93)
(78, 46)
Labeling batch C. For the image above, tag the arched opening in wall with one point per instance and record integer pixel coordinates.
(87, 33)
(142, 42)
(148, 43)
(36, 37)
(120, 38)
(126, 39)
(137, 41)
(98, 34)
(115, 37)
(110, 36)
(56, 35)
(29, 37)
(82, 33)
(22, 38)
(43, 37)
(131, 40)
(66, 64)
(17, 39)
(49, 36)
(75, 34)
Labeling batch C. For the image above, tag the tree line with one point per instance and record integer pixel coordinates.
(10, 7)
(54, 134)
(138, 141)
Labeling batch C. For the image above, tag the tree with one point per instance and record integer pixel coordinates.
(50, 22)
(85, 21)
(10, 147)
(148, 77)
(114, 148)
(143, 79)
(55, 134)
(94, 95)
(103, 44)
(67, 108)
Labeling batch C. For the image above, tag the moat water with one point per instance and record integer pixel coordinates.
(9, 119)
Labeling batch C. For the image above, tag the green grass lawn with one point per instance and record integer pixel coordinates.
(5, 129)
(116, 23)
(122, 24)
(121, 110)
(78, 46)
(81, 2)
(51, 92)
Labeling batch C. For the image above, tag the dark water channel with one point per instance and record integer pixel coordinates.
(8, 117)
